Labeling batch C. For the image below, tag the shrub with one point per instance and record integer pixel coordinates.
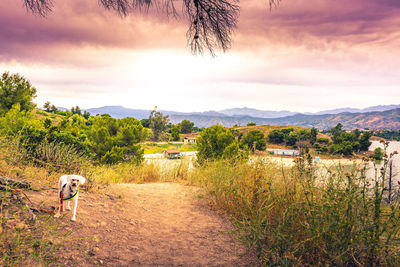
(254, 140)
(217, 142)
(58, 156)
(378, 154)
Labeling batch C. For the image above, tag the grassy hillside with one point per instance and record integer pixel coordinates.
(42, 115)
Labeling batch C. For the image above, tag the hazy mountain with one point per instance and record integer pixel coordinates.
(388, 119)
(256, 113)
(120, 112)
(357, 110)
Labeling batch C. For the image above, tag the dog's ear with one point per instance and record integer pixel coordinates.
(82, 180)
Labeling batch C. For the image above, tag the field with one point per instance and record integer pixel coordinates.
(153, 148)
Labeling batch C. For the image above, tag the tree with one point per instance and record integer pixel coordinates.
(254, 140)
(158, 123)
(86, 114)
(364, 141)
(313, 135)
(251, 124)
(76, 110)
(47, 106)
(291, 139)
(114, 140)
(211, 22)
(336, 133)
(14, 89)
(175, 131)
(53, 109)
(217, 142)
(276, 137)
(186, 126)
(145, 123)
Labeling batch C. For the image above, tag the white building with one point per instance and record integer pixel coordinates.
(284, 152)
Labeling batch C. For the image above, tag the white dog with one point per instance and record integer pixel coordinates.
(68, 189)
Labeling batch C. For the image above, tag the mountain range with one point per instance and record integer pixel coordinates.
(376, 117)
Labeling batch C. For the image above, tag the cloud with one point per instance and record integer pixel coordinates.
(79, 24)
(321, 24)
(303, 53)
(83, 24)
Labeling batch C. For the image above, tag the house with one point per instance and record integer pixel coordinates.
(284, 152)
(189, 140)
(172, 154)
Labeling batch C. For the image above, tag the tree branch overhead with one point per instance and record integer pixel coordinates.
(211, 22)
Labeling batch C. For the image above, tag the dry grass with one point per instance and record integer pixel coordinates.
(296, 215)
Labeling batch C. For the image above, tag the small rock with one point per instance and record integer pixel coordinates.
(103, 223)
(114, 221)
(101, 262)
(111, 197)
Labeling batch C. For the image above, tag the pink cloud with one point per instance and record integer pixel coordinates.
(76, 24)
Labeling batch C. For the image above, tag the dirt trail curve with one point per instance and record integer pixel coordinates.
(159, 224)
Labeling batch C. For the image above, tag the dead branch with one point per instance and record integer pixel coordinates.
(211, 22)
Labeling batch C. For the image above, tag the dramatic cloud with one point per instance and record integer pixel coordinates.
(303, 55)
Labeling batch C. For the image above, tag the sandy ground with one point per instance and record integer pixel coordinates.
(159, 224)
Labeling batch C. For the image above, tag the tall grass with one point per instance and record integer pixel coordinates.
(301, 215)
(296, 216)
(59, 156)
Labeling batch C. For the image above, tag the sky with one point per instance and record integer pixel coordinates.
(303, 55)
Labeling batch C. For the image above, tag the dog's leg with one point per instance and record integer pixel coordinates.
(69, 205)
(58, 214)
(74, 206)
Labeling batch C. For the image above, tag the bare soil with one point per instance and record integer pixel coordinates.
(158, 224)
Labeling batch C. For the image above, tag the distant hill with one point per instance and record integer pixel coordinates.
(120, 112)
(388, 119)
(238, 112)
(369, 120)
(356, 110)
(284, 113)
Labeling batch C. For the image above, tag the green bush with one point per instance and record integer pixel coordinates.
(15, 89)
(217, 142)
(254, 140)
(378, 154)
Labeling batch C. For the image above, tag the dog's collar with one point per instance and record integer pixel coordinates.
(71, 195)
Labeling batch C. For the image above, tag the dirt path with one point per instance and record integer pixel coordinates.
(160, 224)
